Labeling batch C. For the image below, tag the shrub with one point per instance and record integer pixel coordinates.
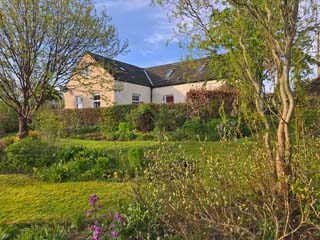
(9, 140)
(141, 118)
(80, 164)
(27, 154)
(124, 132)
(234, 197)
(169, 119)
(211, 129)
(205, 104)
(193, 129)
(50, 125)
(136, 160)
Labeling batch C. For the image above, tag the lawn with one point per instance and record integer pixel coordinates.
(25, 200)
(191, 148)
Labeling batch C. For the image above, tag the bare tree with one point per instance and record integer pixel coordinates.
(41, 41)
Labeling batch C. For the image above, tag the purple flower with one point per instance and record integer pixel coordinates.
(104, 217)
(115, 234)
(93, 200)
(111, 214)
(96, 233)
(113, 226)
(96, 223)
(92, 228)
(117, 216)
(99, 206)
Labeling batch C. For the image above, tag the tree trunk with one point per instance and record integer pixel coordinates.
(23, 127)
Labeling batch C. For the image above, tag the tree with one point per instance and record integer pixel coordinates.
(41, 41)
(263, 40)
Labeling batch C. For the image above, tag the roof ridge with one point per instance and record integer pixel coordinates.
(181, 62)
(110, 59)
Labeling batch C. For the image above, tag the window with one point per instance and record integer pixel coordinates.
(168, 99)
(96, 101)
(169, 73)
(87, 72)
(135, 98)
(79, 102)
(202, 67)
(122, 69)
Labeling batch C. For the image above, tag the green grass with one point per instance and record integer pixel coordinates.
(25, 200)
(108, 145)
(191, 148)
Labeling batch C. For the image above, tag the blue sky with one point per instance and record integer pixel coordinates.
(147, 30)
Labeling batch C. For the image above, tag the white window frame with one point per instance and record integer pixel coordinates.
(136, 101)
(78, 104)
(96, 101)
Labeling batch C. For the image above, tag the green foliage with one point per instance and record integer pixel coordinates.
(124, 132)
(211, 129)
(80, 164)
(71, 27)
(142, 118)
(209, 197)
(37, 232)
(113, 115)
(193, 129)
(169, 119)
(26, 155)
(8, 119)
(51, 127)
(142, 223)
(136, 161)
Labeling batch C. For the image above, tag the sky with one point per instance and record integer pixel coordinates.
(147, 29)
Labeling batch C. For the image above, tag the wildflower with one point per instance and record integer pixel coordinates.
(117, 216)
(113, 226)
(88, 212)
(93, 200)
(99, 206)
(115, 234)
(104, 217)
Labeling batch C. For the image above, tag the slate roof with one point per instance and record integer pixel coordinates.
(122, 71)
(157, 76)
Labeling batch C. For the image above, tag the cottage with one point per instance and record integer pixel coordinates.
(102, 82)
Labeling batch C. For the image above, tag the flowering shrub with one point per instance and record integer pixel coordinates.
(103, 226)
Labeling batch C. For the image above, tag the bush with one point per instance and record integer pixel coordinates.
(136, 160)
(27, 154)
(193, 129)
(50, 125)
(80, 164)
(124, 132)
(141, 118)
(169, 119)
(233, 197)
(211, 129)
